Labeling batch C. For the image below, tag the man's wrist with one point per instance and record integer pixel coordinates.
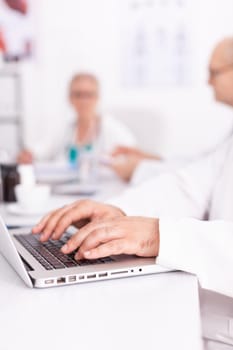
(157, 236)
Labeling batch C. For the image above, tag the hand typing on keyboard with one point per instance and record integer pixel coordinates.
(48, 254)
(104, 230)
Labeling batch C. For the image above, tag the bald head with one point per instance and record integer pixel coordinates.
(221, 71)
(223, 52)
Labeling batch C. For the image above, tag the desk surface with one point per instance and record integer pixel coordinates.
(148, 312)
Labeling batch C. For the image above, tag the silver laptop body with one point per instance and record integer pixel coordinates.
(35, 275)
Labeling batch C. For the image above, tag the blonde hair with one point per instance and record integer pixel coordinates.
(85, 76)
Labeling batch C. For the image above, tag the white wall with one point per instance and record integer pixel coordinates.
(77, 35)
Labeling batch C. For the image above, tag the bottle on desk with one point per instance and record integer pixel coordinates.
(88, 167)
(85, 159)
(9, 179)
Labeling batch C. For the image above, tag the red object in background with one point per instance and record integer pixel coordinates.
(2, 42)
(18, 5)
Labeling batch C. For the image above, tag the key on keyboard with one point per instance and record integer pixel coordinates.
(49, 255)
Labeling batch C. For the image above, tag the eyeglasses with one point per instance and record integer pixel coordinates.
(216, 72)
(83, 94)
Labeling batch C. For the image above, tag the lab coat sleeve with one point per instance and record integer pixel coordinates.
(183, 193)
(203, 248)
(148, 169)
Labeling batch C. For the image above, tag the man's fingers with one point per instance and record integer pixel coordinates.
(49, 228)
(104, 229)
(115, 247)
(47, 224)
(39, 227)
(74, 215)
(98, 236)
(46, 219)
(58, 221)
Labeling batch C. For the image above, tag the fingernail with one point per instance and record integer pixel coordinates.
(54, 236)
(42, 237)
(88, 253)
(64, 249)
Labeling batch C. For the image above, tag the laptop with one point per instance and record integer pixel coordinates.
(42, 265)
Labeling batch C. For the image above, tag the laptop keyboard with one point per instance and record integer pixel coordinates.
(48, 254)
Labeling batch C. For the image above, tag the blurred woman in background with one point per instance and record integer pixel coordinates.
(90, 128)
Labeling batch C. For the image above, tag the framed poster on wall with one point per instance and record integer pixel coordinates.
(156, 43)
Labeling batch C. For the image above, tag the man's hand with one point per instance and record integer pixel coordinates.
(77, 214)
(125, 166)
(121, 235)
(126, 160)
(135, 152)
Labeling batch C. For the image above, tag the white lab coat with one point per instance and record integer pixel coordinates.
(112, 133)
(184, 200)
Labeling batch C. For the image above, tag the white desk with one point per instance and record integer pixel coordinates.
(148, 312)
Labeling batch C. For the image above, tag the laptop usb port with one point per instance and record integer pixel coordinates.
(103, 275)
(61, 280)
(49, 281)
(72, 279)
(91, 276)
